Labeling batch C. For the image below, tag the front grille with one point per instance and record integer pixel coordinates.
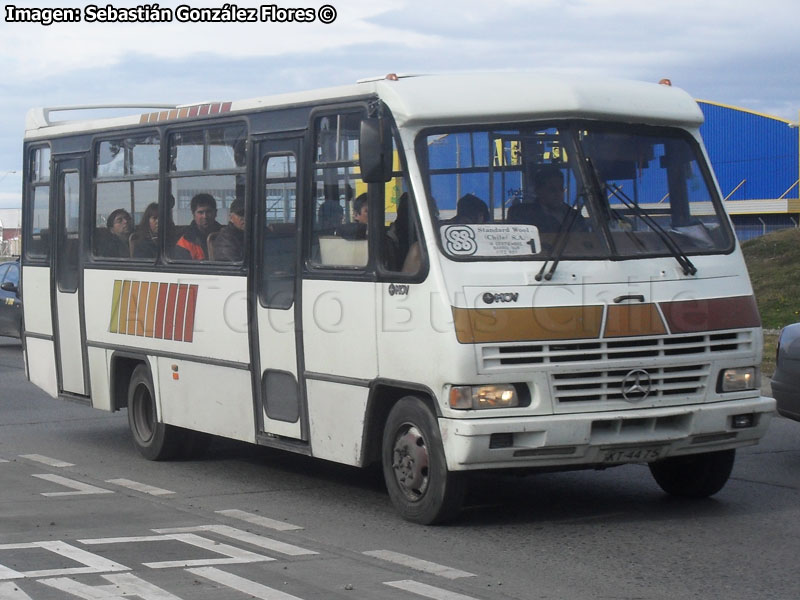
(495, 357)
(666, 383)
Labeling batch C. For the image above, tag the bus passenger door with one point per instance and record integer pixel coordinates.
(68, 323)
(280, 408)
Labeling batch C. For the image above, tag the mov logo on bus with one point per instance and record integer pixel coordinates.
(490, 298)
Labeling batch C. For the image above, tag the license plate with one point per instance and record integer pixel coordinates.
(624, 455)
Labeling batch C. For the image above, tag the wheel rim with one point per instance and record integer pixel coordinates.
(143, 414)
(410, 462)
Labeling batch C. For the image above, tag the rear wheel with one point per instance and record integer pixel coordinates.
(414, 466)
(154, 440)
(695, 475)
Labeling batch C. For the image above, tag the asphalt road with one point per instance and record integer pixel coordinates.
(83, 516)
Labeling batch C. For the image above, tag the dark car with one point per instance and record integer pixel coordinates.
(786, 381)
(10, 305)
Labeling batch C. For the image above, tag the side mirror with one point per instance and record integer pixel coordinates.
(7, 286)
(375, 154)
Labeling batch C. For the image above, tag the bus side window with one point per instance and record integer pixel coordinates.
(206, 169)
(279, 239)
(37, 227)
(125, 185)
(336, 185)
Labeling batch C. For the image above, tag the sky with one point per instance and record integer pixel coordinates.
(736, 52)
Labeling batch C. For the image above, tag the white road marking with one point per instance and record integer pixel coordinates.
(233, 554)
(244, 536)
(81, 489)
(92, 562)
(250, 588)
(46, 460)
(258, 520)
(123, 587)
(11, 591)
(419, 564)
(140, 487)
(2, 460)
(422, 589)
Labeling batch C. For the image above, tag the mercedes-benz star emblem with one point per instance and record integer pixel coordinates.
(636, 386)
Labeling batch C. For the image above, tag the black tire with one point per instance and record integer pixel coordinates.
(414, 466)
(153, 440)
(695, 475)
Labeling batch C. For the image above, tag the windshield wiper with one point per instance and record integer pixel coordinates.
(674, 249)
(561, 240)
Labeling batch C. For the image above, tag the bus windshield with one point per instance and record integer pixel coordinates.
(572, 189)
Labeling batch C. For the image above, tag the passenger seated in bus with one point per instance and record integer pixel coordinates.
(470, 209)
(229, 243)
(329, 216)
(193, 244)
(113, 241)
(144, 240)
(357, 230)
(403, 251)
(546, 208)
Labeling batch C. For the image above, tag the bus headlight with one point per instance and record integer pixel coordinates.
(738, 380)
(465, 397)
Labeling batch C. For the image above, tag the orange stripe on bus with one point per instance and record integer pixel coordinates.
(161, 308)
(180, 312)
(133, 305)
(191, 301)
(141, 314)
(169, 320)
(633, 319)
(151, 310)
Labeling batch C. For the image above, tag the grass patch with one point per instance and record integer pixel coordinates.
(774, 264)
(768, 360)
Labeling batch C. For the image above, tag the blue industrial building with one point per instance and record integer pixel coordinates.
(757, 163)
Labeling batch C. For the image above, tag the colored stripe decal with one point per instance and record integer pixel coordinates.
(198, 110)
(152, 309)
(160, 310)
(180, 312)
(113, 326)
(481, 325)
(169, 321)
(144, 289)
(634, 319)
(188, 329)
(123, 307)
(133, 304)
(690, 316)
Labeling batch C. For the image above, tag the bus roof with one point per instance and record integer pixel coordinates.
(431, 99)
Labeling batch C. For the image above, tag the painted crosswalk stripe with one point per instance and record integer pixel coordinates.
(258, 520)
(2, 460)
(140, 487)
(250, 588)
(11, 591)
(428, 591)
(244, 536)
(80, 488)
(46, 460)
(419, 564)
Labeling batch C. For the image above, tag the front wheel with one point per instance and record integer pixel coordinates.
(694, 475)
(154, 440)
(414, 466)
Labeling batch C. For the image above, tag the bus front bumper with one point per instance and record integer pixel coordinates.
(606, 438)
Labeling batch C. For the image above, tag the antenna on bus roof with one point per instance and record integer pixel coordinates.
(40, 117)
